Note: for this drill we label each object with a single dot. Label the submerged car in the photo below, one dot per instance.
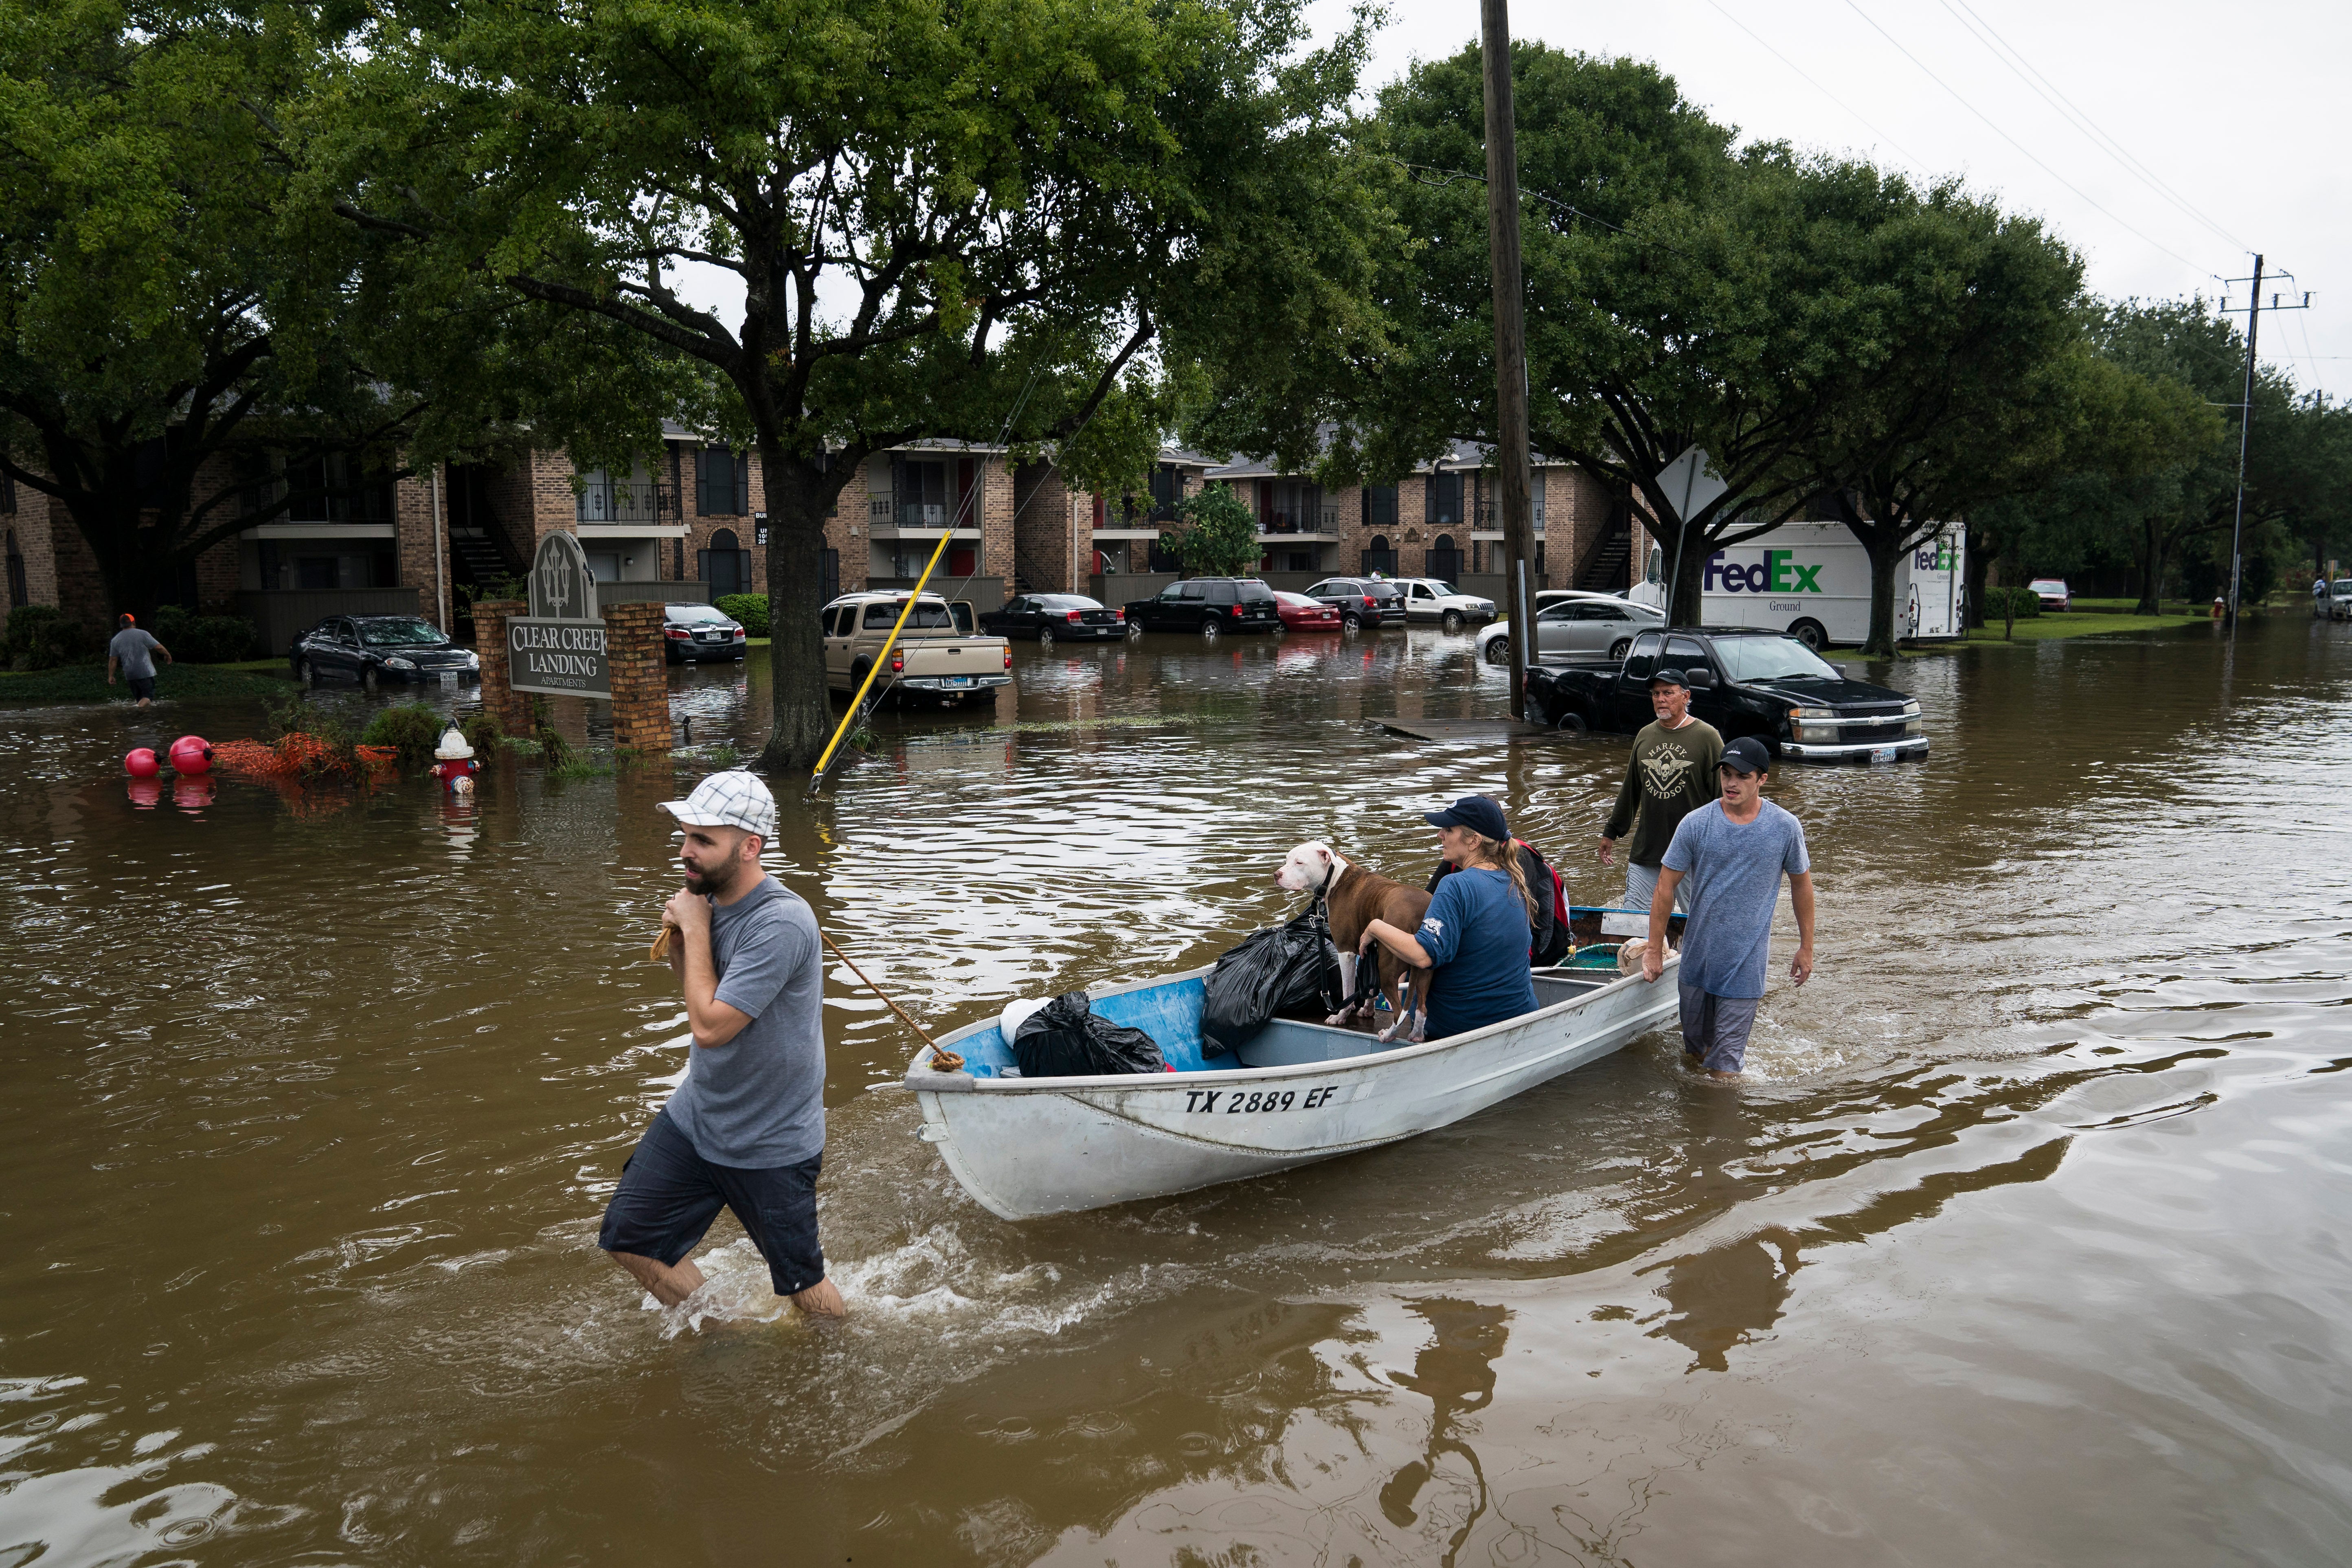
(691, 631)
(1056, 617)
(1301, 613)
(1433, 599)
(1361, 600)
(2051, 592)
(370, 649)
(1574, 621)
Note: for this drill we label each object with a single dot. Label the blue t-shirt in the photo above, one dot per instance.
(1733, 875)
(1476, 933)
(758, 1102)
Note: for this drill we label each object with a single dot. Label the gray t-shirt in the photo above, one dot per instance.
(758, 1102)
(130, 647)
(1733, 874)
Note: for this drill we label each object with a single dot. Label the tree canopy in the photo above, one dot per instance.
(990, 219)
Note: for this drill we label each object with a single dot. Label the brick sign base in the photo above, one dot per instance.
(634, 655)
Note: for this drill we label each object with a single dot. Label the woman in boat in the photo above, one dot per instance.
(1477, 927)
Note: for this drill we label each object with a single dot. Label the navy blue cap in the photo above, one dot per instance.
(1671, 675)
(1474, 812)
(1747, 754)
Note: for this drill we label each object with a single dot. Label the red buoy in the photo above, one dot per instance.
(142, 764)
(192, 754)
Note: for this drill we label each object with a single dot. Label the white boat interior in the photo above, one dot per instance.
(1170, 1015)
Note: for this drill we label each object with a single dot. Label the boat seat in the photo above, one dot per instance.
(1170, 1015)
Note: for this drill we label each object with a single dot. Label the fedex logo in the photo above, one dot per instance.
(1938, 556)
(1777, 572)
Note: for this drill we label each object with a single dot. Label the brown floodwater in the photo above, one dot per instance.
(2022, 1242)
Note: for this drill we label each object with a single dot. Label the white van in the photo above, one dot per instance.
(1812, 581)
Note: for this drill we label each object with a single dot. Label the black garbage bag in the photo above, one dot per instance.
(1287, 969)
(1065, 1039)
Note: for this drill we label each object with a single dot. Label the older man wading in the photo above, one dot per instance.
(1670, 774)
(1732, 853)
(745, 1129)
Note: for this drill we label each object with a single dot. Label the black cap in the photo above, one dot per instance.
(1474, 812)
(1671, 675)
(1747, 756)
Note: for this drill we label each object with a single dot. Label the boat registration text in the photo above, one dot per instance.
(1240, 1102)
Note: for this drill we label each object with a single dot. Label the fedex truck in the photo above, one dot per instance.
(1812, 581)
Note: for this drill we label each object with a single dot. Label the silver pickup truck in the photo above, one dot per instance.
(936, 659)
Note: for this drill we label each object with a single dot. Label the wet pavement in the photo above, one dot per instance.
(2021, 1243)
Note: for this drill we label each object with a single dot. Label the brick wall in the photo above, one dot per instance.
(995, 508)
(33, 528)
(411, 514)
(1049, 554)
(633, 657)
(500, 699)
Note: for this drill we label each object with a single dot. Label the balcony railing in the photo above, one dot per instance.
(610, 501)
(1143, 513)
(1323, 523)
(1489, 516)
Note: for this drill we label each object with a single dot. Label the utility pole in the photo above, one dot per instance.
(1510, 335)
(2246, 426)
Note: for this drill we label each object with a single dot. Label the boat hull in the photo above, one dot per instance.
(1024, 1149)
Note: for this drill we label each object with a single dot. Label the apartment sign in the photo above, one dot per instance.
(558, 649)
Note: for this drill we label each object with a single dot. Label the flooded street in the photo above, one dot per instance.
(2021, 1243)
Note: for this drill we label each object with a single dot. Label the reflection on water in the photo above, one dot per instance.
(2017, 1244)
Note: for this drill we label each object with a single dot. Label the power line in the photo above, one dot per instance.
(1916, 161)
(2025, 72)
(1972, 109)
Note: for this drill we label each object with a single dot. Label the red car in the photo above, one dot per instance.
(1301, 613)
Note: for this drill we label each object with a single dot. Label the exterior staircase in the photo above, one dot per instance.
(1604, 572)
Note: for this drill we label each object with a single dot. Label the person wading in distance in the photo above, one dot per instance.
(1732, 853)
(1670, 774)
(745, 1129)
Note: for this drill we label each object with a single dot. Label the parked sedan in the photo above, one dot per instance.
(2051, 592)
(1301, 613)
(1056, 617)
(1574, 621)
(370, 649)
(2339, 599)
(1430, 599)
(700, 632)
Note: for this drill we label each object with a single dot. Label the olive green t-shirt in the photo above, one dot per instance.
(1672, 775)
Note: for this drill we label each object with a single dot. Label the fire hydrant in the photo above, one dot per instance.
(457, 766)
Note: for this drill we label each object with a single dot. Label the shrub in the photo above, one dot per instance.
(412, 729)
(205, 639)
(40, 637)
(752, 609)
(482, 733)
(2011, 605)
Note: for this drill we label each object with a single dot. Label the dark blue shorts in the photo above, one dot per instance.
(669, 1195)
(143, 687)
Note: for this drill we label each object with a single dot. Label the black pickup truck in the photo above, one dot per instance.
(1744, 682)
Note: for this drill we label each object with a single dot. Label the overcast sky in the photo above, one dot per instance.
(2166, 141)
(2240, 113)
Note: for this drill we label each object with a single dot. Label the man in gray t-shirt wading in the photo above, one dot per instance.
(134, 652)
(745, 1129)
(1731, 854)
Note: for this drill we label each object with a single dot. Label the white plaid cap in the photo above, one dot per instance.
(728, 800)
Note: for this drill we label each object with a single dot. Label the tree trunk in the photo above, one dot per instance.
(1974, 571)
(2151, 568)
(798, 494)
(1684, 607)
(1878, 544)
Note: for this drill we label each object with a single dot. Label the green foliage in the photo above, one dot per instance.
(752, 609)
(2011, 605)
(482, 733)
(493, 591)
(553, 748)
(412, 729)
(40, 637)
(298, 719)
(1219, 538)
(949, 221)
(205, 639)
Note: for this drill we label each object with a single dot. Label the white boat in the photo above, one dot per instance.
(1297, 1092)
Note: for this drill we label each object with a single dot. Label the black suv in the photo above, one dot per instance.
(1361, 600)
(1210, 606)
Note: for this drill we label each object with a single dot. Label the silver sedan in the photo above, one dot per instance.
(1573, 622)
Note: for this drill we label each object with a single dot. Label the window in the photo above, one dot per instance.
(881, 616)
(1684, 655)
(1379, 511)
(1193, 590)
(1443, 505)
(1221, 593)
(1167, 491)
(918, 490)
(1773, 658)
(1644, 655)
(722, 482)
(8, 501)
(18, 595)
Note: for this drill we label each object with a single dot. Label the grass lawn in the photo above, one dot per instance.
(87, 683)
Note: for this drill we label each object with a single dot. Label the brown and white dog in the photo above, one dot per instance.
(1355, 898)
